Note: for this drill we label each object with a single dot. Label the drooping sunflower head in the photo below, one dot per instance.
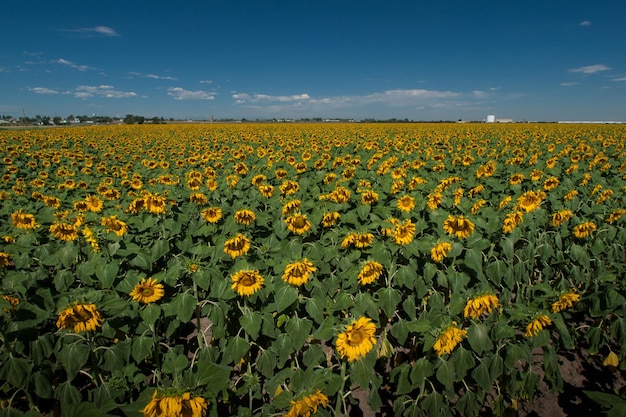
(298, 223)
(114, 225)
(584, 230)
(198, 198)
(369, 197)
(246, 282)
(330, 218)
(147, 291)
(565, 301)
(244, 216)
(166, 404)
(298, 273)
(448, 339)
(64, 231)
(212, 214)
(483, 304)
(80, 318)
(440, 251)
(291, 207)
(530, 200)
(23, 220)
(370, 272)
(404, 233)
(237, 246)
(537, 324)
(357, 340)
(459, 226)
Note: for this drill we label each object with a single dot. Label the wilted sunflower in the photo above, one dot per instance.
(23, 220)
(550, 183)
(566, 300)
(584, 230)
(64, 231)
(357, 340)
(13, 302)
(237, 246)
(246, 282)
(307, 406)
(537, 325)
(516, 179)
(615, 215)
(434, 200)
(289, 187)
(369, 197)
(298, 273)
(154, 203)
(405, 203)
(511, 221)
(5, 259)
(147, 291)
(448, 339)
(90, 237)
(266, 190)
(212, 214)
(244, 216)
(80, 318)
(480, 305)
(136, 205)
(114, 225)
(290, 207)
(404, 233)
(81, 206)
(370, 272)
(298, 223)
(198, 198)
(440, 251)
(530, 200)
(460, 226)
(330, 219)
(561, 216)
(175, 405)
(570, 195)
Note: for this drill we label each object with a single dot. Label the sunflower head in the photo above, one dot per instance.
(80, 318)
(147, 291)
(357, 340)
(246, 282)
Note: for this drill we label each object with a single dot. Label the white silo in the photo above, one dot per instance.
(491, 118)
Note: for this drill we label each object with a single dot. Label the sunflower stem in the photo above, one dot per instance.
(340, 394)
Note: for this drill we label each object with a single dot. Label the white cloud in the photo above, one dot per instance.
(181, 94)
(106, 91)
(585, 23)
(591, 69)
(160, 77)
(96, 30)
(206, 81)
(568, 84)
(619, 79)
(243, 98)
(43, 90)
(71, 64)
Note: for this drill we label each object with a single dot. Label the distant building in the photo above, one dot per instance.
(490, 118)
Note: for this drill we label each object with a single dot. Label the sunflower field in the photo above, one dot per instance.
(300, 269)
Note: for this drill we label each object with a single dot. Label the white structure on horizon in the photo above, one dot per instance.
(490, 118)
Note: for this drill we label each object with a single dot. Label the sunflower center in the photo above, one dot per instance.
(356, 337)
(247, 281)
(147, 291)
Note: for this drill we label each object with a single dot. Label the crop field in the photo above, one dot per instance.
(307, 269)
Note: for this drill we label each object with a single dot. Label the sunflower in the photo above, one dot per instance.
(537, 325)
(198, 198)
(369, 197)
(370, 272)
(516, 179)
(114, 225)
(504, 202)
(530, 200)
(175, 405)
(477, 206)
(212, 214)
(330, 219)
(440, 251)
(357, 340)
(298, 223)
(448, 339)
(155, 203)
(565, 301)
(298, 273)
(246, 282)
(550, 183)
(23, 220)
(291, 207)
(615, 215)
(244, 216)
(5, 259)
(147, 291)
(90, 237)
(289, 187)
(404, 233)
(80, 318)
(434, 200)
(136, 205)
(405, 203)
(584, 230)
(460, 226)
(480, 305)
(561, 216)
(237, 246)
(458, 194)
(64, 231)
(266, 190)
(511, 221)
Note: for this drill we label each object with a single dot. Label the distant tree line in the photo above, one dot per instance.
(132, 119)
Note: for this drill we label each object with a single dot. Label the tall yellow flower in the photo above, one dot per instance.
(561, 216)
(80, 318)
(330, 218)
(459, 226)
(537, 325)
(404, 232)
(64, 231)
(530, 200)
(298, 273)
(244, 216)
(370, 272)
(114, 225)
(369, 197)
(448, 339)
(480, 305)
(212, 214)
(147, 291)
(357, 340)
(246, 282)
(511, 221)
(307, 406)
(566, 300)
(584, 230)
(298, 223)
(5, 259)
(175, 405)
(434, 200)
(23, 220)
(406, 203)
(237, 246)
(440, 251)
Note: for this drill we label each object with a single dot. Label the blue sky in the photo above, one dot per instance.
(420, 60)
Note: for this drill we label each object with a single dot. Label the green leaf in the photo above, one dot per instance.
(421, 370)
(463, 360)
(446, 374)
(117, 356)
(149, 313)
(67, 394)
(63, 280)
(107, 273)
(401, 375)
(16, 371)
(142, 347)
(315, 308)
(251, 322)
(73, 357)
(478, 338)
(236, 349)
(474, 260)
(284, 297)
(213, 377)
(482, 377)
(174, 363)
(299, 330)
(159, 249)
(266, 363)
(389, 298)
